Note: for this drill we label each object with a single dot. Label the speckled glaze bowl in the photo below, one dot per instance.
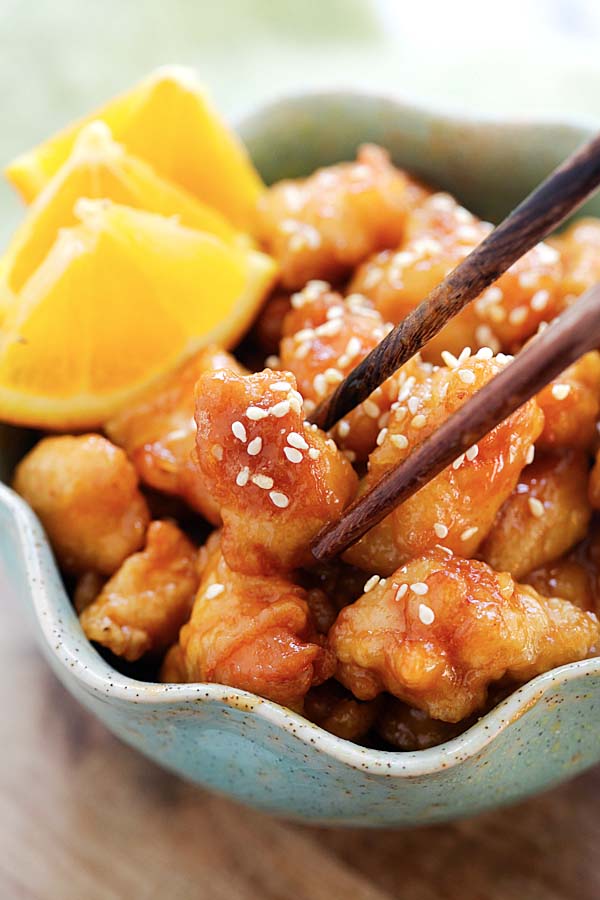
(255, 750)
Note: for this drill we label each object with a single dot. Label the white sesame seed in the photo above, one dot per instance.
(335, 312)
(217, 451)
(333, 376)
(242, 477)
(281, 386)
(383, 420)
(296, 440)
(420, 588)
(536, 507)
(530, 455)
(239, 432)
(280, 409)
(371, 409)
(400, 441)
(302, 350)
(469, 533)
(485, 335)
(254, 447)
(449, 359)
(330, 328)
(493, 294)
(419, 421)
(381, 436)
(497, 314)
(426, 614)
(314, 453)
(539, 301)
(399, 413)
(263, 481)
(441, 530)
(528, 279)
(518, 315)
(484, 352)
(305, 334)
(278, 499)
(466, 376)
(401, 591)
(350, 455)
(458, 461)
(293, 455)
(255, 413)
(296, 404)
(353, 347)
(472, 452)
(464, 355)
(371, 583)
(320, 384)
(213, 591)
(413, 405)
(561, 391)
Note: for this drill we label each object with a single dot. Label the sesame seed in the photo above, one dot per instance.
(213, 591)
(518, 315)
(242, 477)
(441, 530)
(426, 614)
(485, 335)
(335, 312)
(381, 436)
(539, 301)
(320, 384)
(371, 409)
(399, 413)
(293, 455)
(449, 359)
(458, 461)
(263, 481)
(399, 441)
(353, 347)
(254, 447)
(333, 376)
(536, 507)
(420, 588)
(464, 355)
(314, 453)
(413, 405)
(302, 351)
(484, 352)
(255, 413)
(296, 403)
(217, 451)
(305, 334)
(419, 421)
(278, 499)
(561, 391)
(528, 279)
(497, 314)
(280, 409)
(371, 583)
(469, 533)
(401, 591)
(296, 440)
(383, 420)
(493, 294)
(350, 455)
(472, 452)
(530, 455)
(281, 386)
(466, 376)
(239, 432)
(330, 328)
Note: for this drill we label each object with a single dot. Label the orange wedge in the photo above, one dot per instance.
(169, 121)
(118, 300)
(99, 167)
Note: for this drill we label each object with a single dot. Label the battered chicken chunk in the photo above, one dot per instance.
(579, 247)
(334, 708)
(458, 507)
(142, 607)
(85, 491)
(409, 729)
(571, 404)
(546, 514)
(443, 629)
(322, 226)
(158, 432)
(277, 479)
(252, 633)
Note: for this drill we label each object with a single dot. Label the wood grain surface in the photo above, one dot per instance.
(82, 817)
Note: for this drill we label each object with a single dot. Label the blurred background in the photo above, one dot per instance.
(515, 58)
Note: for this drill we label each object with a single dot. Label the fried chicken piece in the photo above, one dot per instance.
(85, 492)
(277, 479)
(443, 629)
(569, 578)
(158, 432)
(250, 632)
(409, 729)
(334, 708)
(142, 607)
(268, 328)
(458, 507)
(323, 225)
(548, 510)
(579, 247)
(571, 404)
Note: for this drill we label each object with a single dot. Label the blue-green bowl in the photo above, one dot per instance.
(255, 750)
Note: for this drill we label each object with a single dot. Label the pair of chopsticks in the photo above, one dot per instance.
(566, 338)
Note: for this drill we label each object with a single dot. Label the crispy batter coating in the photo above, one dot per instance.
(158, 432)
(322, 226)
(442, 629)
(409, 729)
(458, 507)
(335, 709)
(579, 247)
(252, 633)
(85, 491)
(547, 513)
(277, 479)
(571, 404)
(142, 607)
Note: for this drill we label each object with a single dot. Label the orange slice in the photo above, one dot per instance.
(169, 121)
(99, 167)
(118, 300)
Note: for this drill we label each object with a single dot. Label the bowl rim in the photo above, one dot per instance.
(38, 560)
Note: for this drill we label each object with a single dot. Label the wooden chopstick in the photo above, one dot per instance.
(565, 339)
(539, 214)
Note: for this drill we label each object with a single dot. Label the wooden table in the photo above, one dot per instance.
(83, 817)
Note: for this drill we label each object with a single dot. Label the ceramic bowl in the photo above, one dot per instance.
(255, 750)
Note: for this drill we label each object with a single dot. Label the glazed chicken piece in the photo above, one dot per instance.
(442, 629)
(409, 729)
(334, 708)
(458, 507)
(277, 479)
(252, 633)
(324, 225)
(579, 247)
(142, 607)
(268, 328)
(324, 337)
(85, 492)
(571, 404)
(575, 576)
(158, 432)
(547, 513)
